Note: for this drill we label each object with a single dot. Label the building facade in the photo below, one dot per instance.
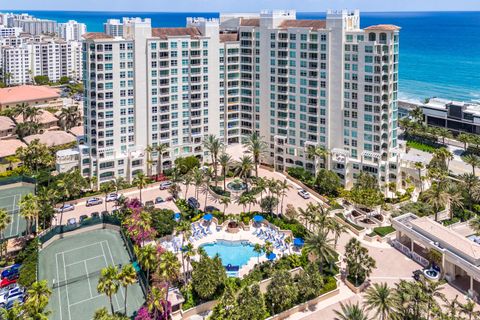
(71, 30)
(298, 83)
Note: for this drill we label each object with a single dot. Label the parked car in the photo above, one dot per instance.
(66, 207)
(149, 204)
(210, 209)
(159, 200)
(11, 270)
(304, 194)
(95, 214)
(11, 303)
(8, 288)
(192, 202)
(8, 281)
(112, 197)
(93, 202)
(71, 222)
(165, 185)
(12, 295)
(416, 274)
(83, 217)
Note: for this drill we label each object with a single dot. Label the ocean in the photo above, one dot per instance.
(439, 51)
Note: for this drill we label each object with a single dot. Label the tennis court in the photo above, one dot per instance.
(72, 268)
(10, 196)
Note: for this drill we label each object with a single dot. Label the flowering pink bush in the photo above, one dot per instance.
(143, 314)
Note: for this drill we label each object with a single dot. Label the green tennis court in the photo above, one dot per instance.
(10, 196)
(72, 267)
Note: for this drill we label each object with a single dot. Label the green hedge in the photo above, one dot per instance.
(29, 260)
(383, 231)
(421, 146)
(341, 216)
(219, 190)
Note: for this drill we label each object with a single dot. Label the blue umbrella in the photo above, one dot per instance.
(271, 256)
(177, 216)
(258, 218)
(208, 217)
(298, 242)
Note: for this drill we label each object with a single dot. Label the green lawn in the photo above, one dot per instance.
(420, 146)
(383, 231)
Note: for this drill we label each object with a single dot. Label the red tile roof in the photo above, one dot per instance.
(383, 27)
(96, 35)
(252, 22)
(313, 24)
(226, 37)
(27, 93)
(165, 33)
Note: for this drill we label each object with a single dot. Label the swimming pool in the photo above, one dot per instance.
(235, 253)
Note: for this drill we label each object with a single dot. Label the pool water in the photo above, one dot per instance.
(235, 253)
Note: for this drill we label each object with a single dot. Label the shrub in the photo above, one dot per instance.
(300, 174)
(29, 260)
(341, 216)
(163, 222)
(219, 190)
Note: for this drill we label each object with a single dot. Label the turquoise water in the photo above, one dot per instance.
(234, 253)
(439, 51)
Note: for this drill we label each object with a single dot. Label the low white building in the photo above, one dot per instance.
(72, 30)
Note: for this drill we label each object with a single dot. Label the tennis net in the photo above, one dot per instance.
(75, 279)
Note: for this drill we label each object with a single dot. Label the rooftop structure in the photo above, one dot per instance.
(52, 138)
(8, 147)
(7, 127)
(33, 95)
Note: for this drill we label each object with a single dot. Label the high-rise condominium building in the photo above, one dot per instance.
(298, 83)
(33, 25)
(71, 30)
(22, 60)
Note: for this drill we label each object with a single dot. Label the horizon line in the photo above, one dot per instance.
(229, 11)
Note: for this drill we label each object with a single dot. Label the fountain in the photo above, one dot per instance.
(236, 185)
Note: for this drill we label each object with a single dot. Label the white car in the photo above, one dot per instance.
(112, 197)
(93, 202)
(304, 194)
(66, 207)
(165, 185)
(11, 295)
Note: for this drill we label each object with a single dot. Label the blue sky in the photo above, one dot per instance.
(242, 5)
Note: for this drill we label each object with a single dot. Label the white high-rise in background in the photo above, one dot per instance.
(298, 83)
(71, 30)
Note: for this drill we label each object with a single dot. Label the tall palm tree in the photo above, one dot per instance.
(258, 249)
(197, 176)
(225, 161)
(470, 184)
(337, 229)
(379, 298)
(108, 283)
(147, 258)
(106, 188)
(432, 291)
(168, 270)
(187, 180)
(319, 245)
(22, 109)
(30, 210)
(37, 300)
(283, 187)
(444, 133)
(468, 309)
(472, 160)
(69, 117)
(154, 301)
(439, 196)
(256, 147)
(148, 150)
(464, 138)
(243, 201)
(420, 166)
(351, 312)
(474, 224)
(318, 152)
(5, 220)
(245, 168)
(184, 229)
(189, 252)
(213, 146)
(225, 201)
(140, 181)
(261, 186)
(417, 114)
(161, 150)
(127, 276)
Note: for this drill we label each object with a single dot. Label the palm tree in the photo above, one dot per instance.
(472, 160)
(256, 147)
(168, 270)
(444, 133)
(225, 201)
(417, 114)
(420, 166)
(148, 150)
(106, 188)
(225, 161)
(15, 313)
(140, 181)
(432, 293)
(258, 249)
(187, 180)
(351, 312)
(319, 245)
(283, 187)
(21, 109)
(69, 117)
(108, 283)
(464, 138)
(37, 300)
(337, 229)
(30, 210)
(261, 186)
(245, 168)
(5, 220)
(213, 146)
(127, 277)
(243, 200)
(189, 252)
(318, 152)
(474, 224)
(250, 198)
(184, 229)
(468, 309)
(440, 196)
(147, 258)
(379, 299)
(161, 149)
(154, 301)
(197, 176)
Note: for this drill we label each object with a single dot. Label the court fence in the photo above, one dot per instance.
(55, 232)
(16, 179)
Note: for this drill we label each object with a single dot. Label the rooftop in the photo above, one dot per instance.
(52, 138)
(250, 22)
(8, 147)
(312, 24)
(96, 35)
(44, 117)
(165, 33)
(383, 27)
(6, 123)
(27, 93)
(227, 37)
(443, 104)
(77, 131)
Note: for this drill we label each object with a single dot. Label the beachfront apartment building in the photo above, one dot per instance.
(32, 25)
(33, 56)
(9, 32)
(72, 30)
(298, 83)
